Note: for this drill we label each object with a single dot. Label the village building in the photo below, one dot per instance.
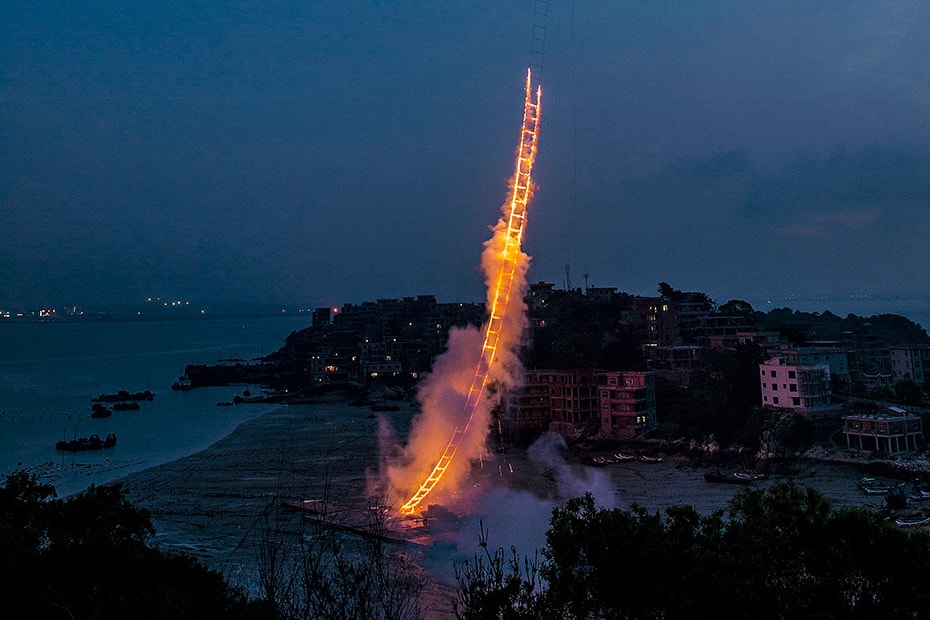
(576, 401)
(804, 389)
(911, 362)
(892, 432)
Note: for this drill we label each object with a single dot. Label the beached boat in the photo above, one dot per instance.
(876, 488)
(86, 443)
(620, 457)
(750, 476)
(650, 459)
(912, 522)
(718, 476)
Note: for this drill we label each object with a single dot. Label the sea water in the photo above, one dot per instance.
(50, 372)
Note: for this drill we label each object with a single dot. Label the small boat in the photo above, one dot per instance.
(82, 444)
(750, 476)
(873, 488)
(603, 460)
(123, 396)
(620, 457)
(920, 495)
(912, 522)
(99, 411)
(718, 476)
(650, 459)
(593, 462)
(122, 406)
(183, 384)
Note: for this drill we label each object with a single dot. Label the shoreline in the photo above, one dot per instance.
(210, 504)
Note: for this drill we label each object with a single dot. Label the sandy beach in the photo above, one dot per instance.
(210, 504)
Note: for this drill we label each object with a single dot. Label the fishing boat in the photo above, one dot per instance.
(183, 384)
(718, 476)
(750, 476)
(876, 488)
(122, 406)
(123, 396)
(620, 457)
(82, 444)
(99, 411)
(913, 522)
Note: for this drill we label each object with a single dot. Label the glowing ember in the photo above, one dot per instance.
(505, 247)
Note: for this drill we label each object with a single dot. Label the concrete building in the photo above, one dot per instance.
(911, 362)
(868, 355)
(893, 432)
(628, 403)
(836, 359)
(615, 404)
(675, 363)
(802, 388)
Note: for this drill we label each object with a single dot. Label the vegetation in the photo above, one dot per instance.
(317, 573)
(87, 556)
(779, 553)
(802, 327)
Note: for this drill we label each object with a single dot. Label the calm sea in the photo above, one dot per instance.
(49, 372)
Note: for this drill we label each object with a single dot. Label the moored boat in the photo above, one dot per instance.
(183, 384)
(123, 396)
(82, 444)
(99, 411)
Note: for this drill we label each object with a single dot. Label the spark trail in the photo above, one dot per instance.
(499, 294)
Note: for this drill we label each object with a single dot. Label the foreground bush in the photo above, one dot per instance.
(88, 556)
(779, 553)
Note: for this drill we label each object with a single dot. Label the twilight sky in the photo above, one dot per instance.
(322, 152)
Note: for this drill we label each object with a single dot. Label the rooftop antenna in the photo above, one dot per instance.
(586, 280)
(568, 276)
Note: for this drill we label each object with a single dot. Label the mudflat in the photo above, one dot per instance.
(214, 504)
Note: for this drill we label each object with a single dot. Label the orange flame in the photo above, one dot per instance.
(505, 247)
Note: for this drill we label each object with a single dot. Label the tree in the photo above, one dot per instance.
(88, 556)
(496, 585)
(317, 573)
(779, 553)
(908, 392)
(737, 307)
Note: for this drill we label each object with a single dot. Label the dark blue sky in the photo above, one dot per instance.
(330, 152)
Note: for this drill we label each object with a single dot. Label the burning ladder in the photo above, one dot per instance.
(526, 155)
